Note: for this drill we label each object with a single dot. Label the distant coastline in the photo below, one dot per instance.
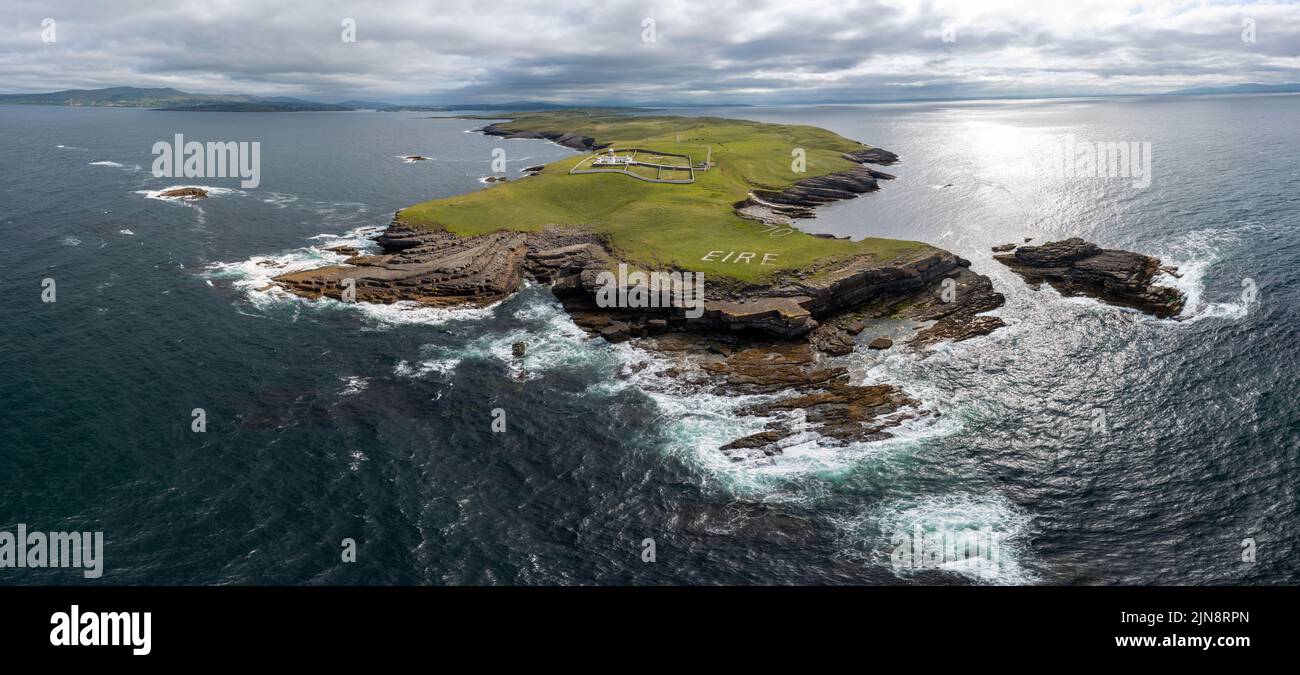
(175, 100)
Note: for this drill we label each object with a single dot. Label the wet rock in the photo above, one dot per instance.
(842, 412)
(881, 343)
(184, 193)
(757, 440)
(518, 349)
(772, 368)
(955, 308)
(872, 156)
(616, 331)
(831, 339)
(1076, 267)
(955, 329)
(1003, 248)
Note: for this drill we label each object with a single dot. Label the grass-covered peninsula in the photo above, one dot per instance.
(659, 224)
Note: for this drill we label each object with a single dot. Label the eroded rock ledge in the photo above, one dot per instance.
(441, 269)
(750, 339)
(1076, 267)
(568, 140)
(800, 200)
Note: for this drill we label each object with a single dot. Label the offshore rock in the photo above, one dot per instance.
(1076, 267)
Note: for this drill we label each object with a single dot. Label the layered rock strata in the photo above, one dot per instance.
(1077, 267)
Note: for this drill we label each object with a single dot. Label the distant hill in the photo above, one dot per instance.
(168, 99)
(1251, 88)
(412, 108)
(254, 106)
(521, 106)
(366, 105)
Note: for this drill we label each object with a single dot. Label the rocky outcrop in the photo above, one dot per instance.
(955, 306)
(184, 193)
(872, 156)
(821, 402)
(1076, 267)
(783, 207)
(817, 190)
(568, 140)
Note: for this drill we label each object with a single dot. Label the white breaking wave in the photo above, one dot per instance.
(876, 528)
(354, 385)
(441, 366)
(551, 342)
(126, 232)
(1192, 284)
(279, 200)
(106, 163)
(1195, 255)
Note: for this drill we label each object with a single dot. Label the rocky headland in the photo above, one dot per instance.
(770, 338)
(567, 139)
(1075, 267)
(777, 338)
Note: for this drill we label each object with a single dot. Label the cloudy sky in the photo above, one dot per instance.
(599, 51)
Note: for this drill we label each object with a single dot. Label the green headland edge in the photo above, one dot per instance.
(669, 225)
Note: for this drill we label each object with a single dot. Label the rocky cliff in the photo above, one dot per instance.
(800, 200)
(568, 140)
(442, 269)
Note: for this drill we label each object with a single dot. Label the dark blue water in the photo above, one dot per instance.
(330, 421)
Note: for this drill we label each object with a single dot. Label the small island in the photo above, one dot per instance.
(184, 193)
(1075, 267)
(777, 302)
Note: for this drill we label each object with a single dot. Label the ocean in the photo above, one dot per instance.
(1101, 445)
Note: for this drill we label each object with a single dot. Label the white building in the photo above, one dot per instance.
(612, 159)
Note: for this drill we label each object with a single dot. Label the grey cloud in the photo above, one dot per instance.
(591, 50)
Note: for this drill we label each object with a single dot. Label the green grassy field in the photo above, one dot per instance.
(656, 224)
